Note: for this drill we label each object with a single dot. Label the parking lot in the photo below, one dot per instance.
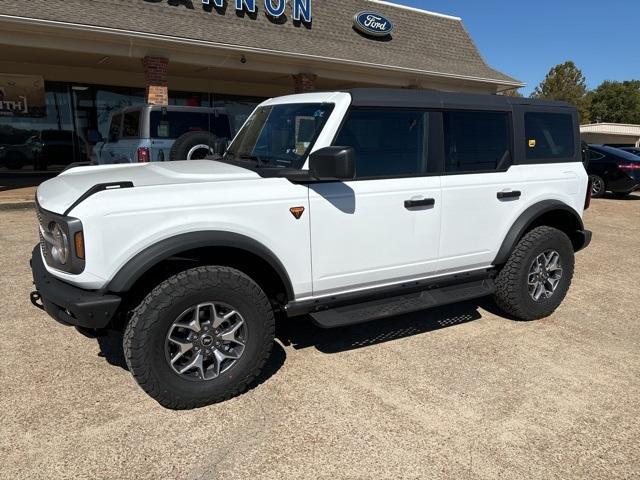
(455, 392)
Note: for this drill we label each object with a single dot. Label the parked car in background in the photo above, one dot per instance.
(613, 170)
(153, 133)
(56, 149)
(634, 150)
(17, 156)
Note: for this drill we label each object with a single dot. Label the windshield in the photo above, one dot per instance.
(280, 135)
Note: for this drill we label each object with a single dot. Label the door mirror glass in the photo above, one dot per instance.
(333, 163)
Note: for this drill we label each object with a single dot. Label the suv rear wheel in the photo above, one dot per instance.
(537, 275)
(199, 337)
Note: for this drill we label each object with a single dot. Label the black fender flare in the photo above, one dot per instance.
(126, 277)
(526, 219)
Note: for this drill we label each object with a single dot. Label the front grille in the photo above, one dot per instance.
(43, 245)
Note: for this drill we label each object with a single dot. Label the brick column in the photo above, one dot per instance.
(155, 73)
(304, 82)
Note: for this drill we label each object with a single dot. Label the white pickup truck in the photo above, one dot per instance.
(346, 206)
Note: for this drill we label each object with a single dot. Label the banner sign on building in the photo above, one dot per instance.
(300, 9)
(22, 96)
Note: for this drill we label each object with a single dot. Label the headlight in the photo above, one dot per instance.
(61, 241)
(59, 244)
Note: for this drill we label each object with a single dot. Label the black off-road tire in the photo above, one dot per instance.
(512, 293)
(146, 331)
(183, 144)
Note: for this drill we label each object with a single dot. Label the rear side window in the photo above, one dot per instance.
(131, 125)
(476, 141)
(174, 124)
(595, 155)
(388, 143)
(549, 136)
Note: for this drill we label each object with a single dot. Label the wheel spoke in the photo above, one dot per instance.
(183, 347)
(194, 323)
(231, 334)
(539, 290)
(222, 355)
(195, 363)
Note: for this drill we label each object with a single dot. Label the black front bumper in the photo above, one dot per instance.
(68, 304)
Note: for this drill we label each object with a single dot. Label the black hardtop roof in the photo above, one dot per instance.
(389, 97)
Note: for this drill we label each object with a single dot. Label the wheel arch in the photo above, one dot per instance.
(552, 213)
(213, 247)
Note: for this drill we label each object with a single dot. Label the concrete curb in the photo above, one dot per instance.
(17, 205)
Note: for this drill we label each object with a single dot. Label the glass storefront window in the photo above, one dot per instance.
(238, 107)
(78, 116)
(41, 143)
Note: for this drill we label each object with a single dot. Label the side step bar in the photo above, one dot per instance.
(410, 302)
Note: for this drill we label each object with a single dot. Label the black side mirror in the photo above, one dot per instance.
(220, 146)
(333, 163)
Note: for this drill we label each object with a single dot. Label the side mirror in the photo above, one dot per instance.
(333, 163)
(220, 146)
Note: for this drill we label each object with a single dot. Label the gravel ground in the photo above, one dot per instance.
(456, 392)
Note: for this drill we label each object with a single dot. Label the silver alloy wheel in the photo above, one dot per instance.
(597, 186)
(206, 340)
(198, 152)
(544, 276)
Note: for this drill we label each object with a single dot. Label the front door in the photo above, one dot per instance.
(383, 227)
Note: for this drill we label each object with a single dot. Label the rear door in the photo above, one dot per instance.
(481, 189)
(384, 226)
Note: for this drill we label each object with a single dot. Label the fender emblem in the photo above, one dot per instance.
(297, 212)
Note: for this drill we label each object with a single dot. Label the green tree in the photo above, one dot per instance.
(565, 82)
(511, 93)
(616, 102)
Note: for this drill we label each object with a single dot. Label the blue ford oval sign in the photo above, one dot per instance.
(371, 23)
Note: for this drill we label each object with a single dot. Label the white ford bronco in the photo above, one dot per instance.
(345, 206)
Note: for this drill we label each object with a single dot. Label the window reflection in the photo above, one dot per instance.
(78, 116)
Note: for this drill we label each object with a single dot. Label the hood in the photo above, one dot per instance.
(59, 193)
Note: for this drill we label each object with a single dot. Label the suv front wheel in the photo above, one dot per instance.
(200, 337)
(537, 275)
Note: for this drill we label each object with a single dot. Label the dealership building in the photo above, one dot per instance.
(67, 65)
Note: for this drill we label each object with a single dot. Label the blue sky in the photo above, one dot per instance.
(525, 39)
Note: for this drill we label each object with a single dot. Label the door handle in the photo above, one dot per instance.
(511, 194)
(425, 202)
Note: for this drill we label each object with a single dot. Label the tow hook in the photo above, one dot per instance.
(36, 299)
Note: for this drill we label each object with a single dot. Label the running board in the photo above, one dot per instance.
(397, 305)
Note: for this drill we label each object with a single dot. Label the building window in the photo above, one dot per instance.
(476, 141)
(388, 143)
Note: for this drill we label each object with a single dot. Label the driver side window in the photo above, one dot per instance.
(388, 142)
